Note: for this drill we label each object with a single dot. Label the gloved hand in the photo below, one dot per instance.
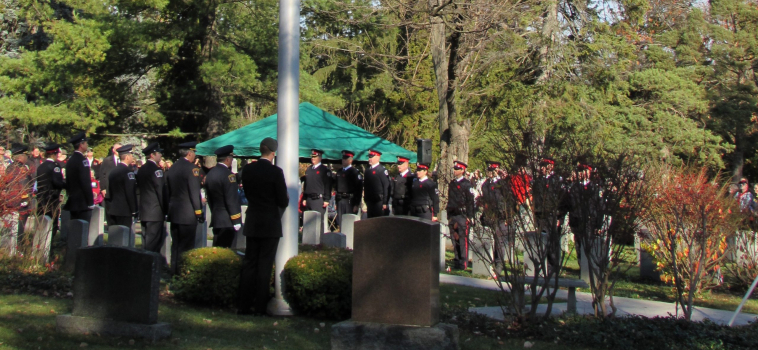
(237, 227)
(201, 219)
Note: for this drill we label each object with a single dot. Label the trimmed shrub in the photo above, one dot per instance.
(209, 276)
(319, 282)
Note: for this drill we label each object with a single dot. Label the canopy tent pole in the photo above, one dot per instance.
(288, 136)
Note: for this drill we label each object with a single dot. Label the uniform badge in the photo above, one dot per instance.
(130, 176)
(57, 169)
(159, 173)
(86, 163)
(386, 172)
(232, 178)
(196, 172)
(471, 190)
(360, 177)
(437, 191)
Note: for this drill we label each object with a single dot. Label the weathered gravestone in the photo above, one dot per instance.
(43, 235)
(334, 240)
(483, 255)
(96, 227)
(395, 288)
(112, 300)
(9, 240)
(597, 257)
(78, 233)
(120, 236)
(348, 229)
(311, 227)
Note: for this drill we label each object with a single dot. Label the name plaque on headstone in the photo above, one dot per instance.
(396, 271)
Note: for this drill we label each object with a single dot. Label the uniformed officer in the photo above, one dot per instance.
(401, 186)
(185, 209)
(79, 181)
(221, 191)
(491, 201)
(317, 186)
(153, 199)
(547, 197)
(348, 186)
(460, 212)
(424, 197)
(20, 172)
(50, 182)
(122, 186)
(376, 185)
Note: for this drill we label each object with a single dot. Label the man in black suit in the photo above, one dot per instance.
(266, 193)
(185, 208)
(376, 184)
(50, 182)
(122, 187)
(109, 163)
(221, 192)
(317, 185)
(153, 199)
(348, 184)
(401, 187)
(79, 181)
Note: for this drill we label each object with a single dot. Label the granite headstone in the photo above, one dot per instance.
(78, 234)
(311, 227)
(120, 236)
(96, 227)
(396, 271)
(334, 240)
(348, 228)
(43, 235)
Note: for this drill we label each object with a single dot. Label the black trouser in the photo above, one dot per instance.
(182, 240)
(343, 207)
(374, 209)
(153, 235)
(459, 226)
(399, 207)
(255, 275)
(316, 205)
(53, 212)
(106, 206)
(223, 236)
(85, 215)
(421, 211)
(120, 220)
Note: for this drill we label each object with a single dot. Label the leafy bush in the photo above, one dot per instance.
(23, 275)
(209, 276)
(319, 282)
(742, 272)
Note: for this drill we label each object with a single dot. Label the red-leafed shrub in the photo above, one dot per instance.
(689, 221)
(15, 190)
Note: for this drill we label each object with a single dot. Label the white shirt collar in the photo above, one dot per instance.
(317, 165)
(374, 166)
(347, 167)
(404, 172)
(460, 178)
(51, 159)
(422, 179)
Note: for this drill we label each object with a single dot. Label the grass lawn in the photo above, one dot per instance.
(28, 322)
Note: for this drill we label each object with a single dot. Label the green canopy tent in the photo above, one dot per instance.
(318, 129)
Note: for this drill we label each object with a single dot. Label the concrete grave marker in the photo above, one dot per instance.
(402, 311)
(112, 300)
(96, 227)
(482, 246)
(311, 227)
(120, 236)
(43, 236)
(78, 234)
(348, 229)
(334, 239)
(584, 269)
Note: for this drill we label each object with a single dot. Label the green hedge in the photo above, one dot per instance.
(209, 276)
(319, 282)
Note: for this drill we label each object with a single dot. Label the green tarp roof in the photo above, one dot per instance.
(318, 129)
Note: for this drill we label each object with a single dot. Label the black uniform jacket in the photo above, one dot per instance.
(109, 163)
(49, 185)
(153, 192)
(401, 186)
(376, 184)
(350, 182)
(78, 183)
(185, 205)
(221, 192)
(266, 194)
(122, 186)
(425, 193)
(318, 181)
(460, 198)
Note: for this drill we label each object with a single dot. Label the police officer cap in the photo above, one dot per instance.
(270, 143)
(18, 148)
(188, 145)
(224, 151)
(347, 154)
(401, 159)
(492, 165)
(151, 148)
(52, 147)
(461, 165)
(124, 149)
(316, 153)
(422, 166)
(78, 138)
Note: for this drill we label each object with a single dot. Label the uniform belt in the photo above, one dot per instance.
(421, 208)
(345, 195)
(452, 212)
(314, 196)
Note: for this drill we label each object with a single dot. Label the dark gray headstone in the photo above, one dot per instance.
(334, 239)
(78, 233)
(311, 227)
(396, 271)
(120, 236)
(64, 224)
(117, 283)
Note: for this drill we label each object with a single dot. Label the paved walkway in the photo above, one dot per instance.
(625, 306)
